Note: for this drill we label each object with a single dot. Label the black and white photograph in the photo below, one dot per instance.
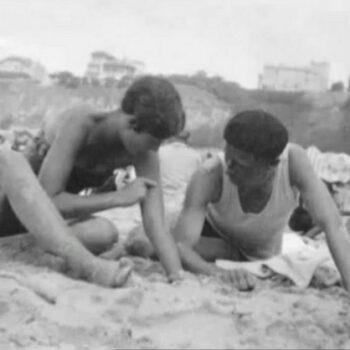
(174, 174)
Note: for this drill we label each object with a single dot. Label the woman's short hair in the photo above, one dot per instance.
(258, 133)
(156, 106)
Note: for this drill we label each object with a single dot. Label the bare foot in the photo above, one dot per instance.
(110, 273)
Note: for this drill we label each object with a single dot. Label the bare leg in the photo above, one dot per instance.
(40, 216)
(97, 234)
(138, 244)
(209, 248)
(100, 236)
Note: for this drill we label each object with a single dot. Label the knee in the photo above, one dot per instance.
(138, 244)
(107, 231)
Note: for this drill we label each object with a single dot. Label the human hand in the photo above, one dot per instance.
(136, 191)
(107, 186)
(240, 278)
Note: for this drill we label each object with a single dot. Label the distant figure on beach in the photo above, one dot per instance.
(80, 149)
(238, 203)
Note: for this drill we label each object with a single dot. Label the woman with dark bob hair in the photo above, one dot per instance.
(80, 149)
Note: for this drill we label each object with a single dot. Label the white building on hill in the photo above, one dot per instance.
(103, 66)
(16, 67)
(314, 77)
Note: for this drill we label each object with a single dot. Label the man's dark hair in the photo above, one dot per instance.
(258, 133)
(156, 106)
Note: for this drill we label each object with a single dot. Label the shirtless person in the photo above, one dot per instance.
(25, 205)
(239, 203)
(82, 147)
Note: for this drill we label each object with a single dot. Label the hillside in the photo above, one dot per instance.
(322, 119)
(312, 118)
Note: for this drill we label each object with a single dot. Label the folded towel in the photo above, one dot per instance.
(298, 261)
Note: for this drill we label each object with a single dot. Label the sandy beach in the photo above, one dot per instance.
(43, 307)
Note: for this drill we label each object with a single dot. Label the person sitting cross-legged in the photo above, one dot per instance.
(80, 149)
(33, 211)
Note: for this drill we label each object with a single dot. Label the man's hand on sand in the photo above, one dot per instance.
(136, 191)
(240, 278)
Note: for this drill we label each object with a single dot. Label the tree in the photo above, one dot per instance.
(338, 86)
(66, 79)
(201, 74)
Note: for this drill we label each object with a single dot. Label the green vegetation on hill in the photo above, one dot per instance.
(322, 119)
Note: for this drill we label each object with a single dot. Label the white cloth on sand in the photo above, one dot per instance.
(298, 261)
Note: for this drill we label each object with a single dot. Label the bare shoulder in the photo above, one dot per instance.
(211, 164)
(297, 154)
(294, 149)
(78, 116)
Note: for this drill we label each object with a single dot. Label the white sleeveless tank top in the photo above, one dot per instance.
(255, 235)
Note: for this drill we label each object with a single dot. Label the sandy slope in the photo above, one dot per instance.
(40, 308)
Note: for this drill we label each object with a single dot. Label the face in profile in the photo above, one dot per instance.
(137, 143)
(243, 169)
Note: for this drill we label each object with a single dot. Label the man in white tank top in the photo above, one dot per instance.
(238, 204)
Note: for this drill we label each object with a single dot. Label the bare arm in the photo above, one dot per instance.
(313, 232)
(322, 208)
(59, 162)
(40, 217)
(202, 189)
(152, 210)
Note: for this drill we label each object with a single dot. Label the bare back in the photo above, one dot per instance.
(72, 132)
